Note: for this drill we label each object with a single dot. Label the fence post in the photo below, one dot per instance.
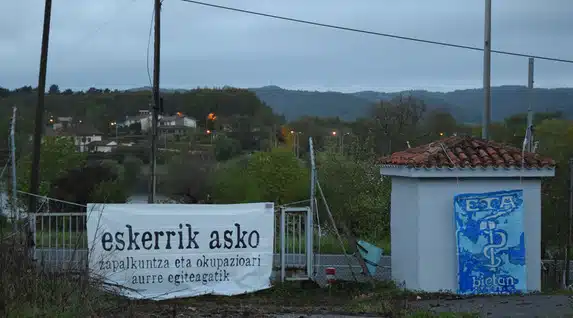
(569, 219)
(283, 256)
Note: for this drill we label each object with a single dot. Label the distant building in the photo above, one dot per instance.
(176, 125)
(102, 146)
(61, 122)
(107, 145)
(143, 118)
(82, 135)
(167, 124)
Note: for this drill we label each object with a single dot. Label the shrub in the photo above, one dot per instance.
(276, 176)
(188, 176)
(226, 148)
(132, 170)
(356, 194)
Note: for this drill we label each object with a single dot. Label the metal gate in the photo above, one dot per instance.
(296, 243)
(61, 241)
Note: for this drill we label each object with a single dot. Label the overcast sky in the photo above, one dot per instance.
(103, 43)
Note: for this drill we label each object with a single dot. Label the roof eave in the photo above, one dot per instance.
(459, 172)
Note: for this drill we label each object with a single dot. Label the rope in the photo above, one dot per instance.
(336, 230)
(319, 237)
(52, 199)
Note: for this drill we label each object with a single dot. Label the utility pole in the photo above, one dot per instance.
(569, 227)
(15, 215)
(156, 100)
(487, 72)
(530, 102)
(39, 119)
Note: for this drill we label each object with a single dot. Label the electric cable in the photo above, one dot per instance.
(388, 35)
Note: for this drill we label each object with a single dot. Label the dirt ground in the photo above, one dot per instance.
(509, 306)
(349, 300)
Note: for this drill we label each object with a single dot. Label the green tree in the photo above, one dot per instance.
(132, 170)
(58, 154)
(358, 197)
(440, 123)
(275, 176)
(54, 89)
(226, 148)
(555, 138)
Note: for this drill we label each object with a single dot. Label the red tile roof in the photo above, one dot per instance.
(466, 152)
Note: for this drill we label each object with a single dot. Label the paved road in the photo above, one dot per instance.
(510, 306)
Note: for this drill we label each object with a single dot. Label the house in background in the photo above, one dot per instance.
(177, 125)
(107, 145)
(143, 118)
(61, 122)
(82, 135)
(102, 146)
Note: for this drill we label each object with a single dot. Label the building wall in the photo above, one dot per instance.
(403, 229)
(104, 148)
(434, 254)
(189, 122)
(81, 145)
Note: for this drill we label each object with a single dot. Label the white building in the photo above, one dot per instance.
(144, 118)
(425, 181)
(81, 134)
(178, 120)
(102, 146)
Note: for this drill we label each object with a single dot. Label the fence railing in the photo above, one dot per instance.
(61, 240)
(61, 244)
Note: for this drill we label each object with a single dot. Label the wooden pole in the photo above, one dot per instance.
(156, 100)
(39, 119)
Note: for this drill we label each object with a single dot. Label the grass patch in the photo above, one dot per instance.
(29, 292)
(64, 239)
(381, 299)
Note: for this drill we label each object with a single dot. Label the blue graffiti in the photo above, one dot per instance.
(490, 242)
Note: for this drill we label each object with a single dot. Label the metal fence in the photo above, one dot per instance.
(61, 240)
(61, 244)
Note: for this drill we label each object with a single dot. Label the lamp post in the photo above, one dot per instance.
(114, 124)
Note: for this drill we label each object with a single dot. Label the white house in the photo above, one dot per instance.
(102, 146)
(143, 117)
(178, 120)
(81, 134)
(107, 145)
(423, 229)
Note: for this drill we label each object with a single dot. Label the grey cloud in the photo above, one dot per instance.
(104, 43)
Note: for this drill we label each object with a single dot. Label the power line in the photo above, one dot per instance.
(388, 35)
(90, 35)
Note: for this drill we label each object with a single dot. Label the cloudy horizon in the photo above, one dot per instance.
(104, 44)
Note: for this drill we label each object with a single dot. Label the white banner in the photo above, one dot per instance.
(163, 251)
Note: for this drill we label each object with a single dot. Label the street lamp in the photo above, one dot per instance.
(113, 123)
